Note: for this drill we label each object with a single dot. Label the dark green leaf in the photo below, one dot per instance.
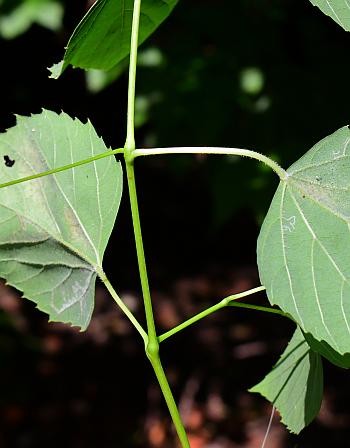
(54, 230)
(102, 38)
(328, 352)
(295, 384)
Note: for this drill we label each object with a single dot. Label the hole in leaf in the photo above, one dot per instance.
(8, 161)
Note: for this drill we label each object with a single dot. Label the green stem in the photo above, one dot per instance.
(213, 150)
(151, 345)
(168, 396)
(222, 304)
(151, 330)
(63, 168)
(190, 321)
(260, 308)
(130, 134)
(157, 151)
(123, 307)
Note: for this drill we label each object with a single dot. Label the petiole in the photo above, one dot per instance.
(222, 304)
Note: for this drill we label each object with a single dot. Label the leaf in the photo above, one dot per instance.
(55, 70)
(295, 384)
(338, 10)
(54, 230)
(304, 243)
(328, 352)
(102, 38)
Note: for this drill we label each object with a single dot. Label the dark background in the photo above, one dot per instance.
(201, 218)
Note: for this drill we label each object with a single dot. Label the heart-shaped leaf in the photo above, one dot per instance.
(338, 10)
(295, 384)
(304, 243)
(102, 38)
(54, 230)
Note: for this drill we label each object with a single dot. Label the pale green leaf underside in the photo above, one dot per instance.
(304, 243)
(338, 10)
(54, 230)
(295, 384)
(102, 38)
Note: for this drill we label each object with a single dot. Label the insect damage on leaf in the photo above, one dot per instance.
(8, 161)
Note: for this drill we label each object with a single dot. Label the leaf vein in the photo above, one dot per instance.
(285, 257)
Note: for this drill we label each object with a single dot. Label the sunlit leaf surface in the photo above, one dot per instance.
(54, 230)
(304, 243)
(338, 10)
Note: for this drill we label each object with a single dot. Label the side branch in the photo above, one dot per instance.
(123, 307)
(215, 151)
(227, 301)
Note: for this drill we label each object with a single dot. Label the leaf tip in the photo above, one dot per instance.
(56, 70)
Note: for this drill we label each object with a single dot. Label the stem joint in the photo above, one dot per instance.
(152, 349)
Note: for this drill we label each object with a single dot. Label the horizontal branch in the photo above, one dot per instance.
(214, 151)
(159, 151)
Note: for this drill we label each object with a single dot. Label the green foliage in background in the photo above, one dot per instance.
(16, 17)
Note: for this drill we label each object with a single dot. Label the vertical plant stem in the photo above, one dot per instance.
(168, 396)
(130, 134)
(151, 330)
(151, 343)
(152, 346)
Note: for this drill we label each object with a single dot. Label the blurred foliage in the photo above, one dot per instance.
(17, 16)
